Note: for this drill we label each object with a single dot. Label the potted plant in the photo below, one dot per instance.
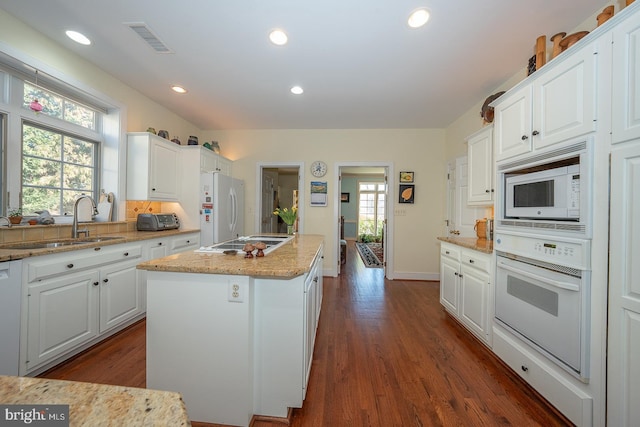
(15, 216)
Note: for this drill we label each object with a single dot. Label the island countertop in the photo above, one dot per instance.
(98, 404)
(292, 259)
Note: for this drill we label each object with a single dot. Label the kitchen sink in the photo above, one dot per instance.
(236, 245)
(57, 243)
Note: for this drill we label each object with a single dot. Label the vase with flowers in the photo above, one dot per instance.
(288, 216)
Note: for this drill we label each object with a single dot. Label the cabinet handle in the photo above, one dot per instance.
(126, 254)
(69, 265)
(525, 137)
(471, 261)
(455, 273)
(492, 190)
(159, 243)
(487, 191)
(315, 279)
(446, 252)
(524, 368)
(105, 280)
(535, 132)
(96, 283)
(460, 275)
(153, 189)
(188, 241)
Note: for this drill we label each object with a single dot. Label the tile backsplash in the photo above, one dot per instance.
(135, 207)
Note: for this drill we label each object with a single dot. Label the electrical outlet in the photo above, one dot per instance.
(235, 293)
(400, 212)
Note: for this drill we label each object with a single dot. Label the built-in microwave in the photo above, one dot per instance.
(546, 194)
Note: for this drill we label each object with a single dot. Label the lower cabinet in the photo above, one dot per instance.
(466, 288)
(72, 298)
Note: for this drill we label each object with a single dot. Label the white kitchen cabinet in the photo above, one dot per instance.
(481, 167)
(158, 248)
(154, 168)
(625, 89)
(286, 319)
(209, 161)
(558, 103)
(72, 298)
(465, 288)
(62, 314)
(121, 294)
(449, 276)
(623, 382)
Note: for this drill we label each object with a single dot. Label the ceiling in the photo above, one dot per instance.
(359, 63)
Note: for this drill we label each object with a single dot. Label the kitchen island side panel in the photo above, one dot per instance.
(201, 345)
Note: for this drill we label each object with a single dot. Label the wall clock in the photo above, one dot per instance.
(318, 168)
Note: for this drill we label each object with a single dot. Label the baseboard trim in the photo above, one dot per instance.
(274, 420)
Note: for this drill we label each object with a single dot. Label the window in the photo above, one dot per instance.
(56, 168)
(371, 207)
(59, 107)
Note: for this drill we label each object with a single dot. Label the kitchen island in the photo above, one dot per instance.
(234, 335)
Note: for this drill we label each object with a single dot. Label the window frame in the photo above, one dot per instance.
(376, 193)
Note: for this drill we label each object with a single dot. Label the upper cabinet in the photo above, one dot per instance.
(153, 168)
(212, 162)
(625, 106)
(556, 105)
(480, 173)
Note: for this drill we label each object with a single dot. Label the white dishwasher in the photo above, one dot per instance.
(10, 280)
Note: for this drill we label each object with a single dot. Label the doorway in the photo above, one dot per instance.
(278, 185)
(370, 184)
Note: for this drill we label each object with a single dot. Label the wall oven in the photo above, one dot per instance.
(542, 295)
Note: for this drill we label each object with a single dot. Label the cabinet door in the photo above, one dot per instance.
(224, 166)
(480, 174)
(623, 373)
(120, 294)
(164, 180)
(474, 286)
(208, 161)
(185, 243)
(61, 315)
(449, 284)
(512, 125)
(158, 248)
(565, 100)
(626, 80)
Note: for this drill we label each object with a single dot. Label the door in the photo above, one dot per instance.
(464, 216)
(268, 222)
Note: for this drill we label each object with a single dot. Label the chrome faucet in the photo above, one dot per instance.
(7, 219)
(74, 229)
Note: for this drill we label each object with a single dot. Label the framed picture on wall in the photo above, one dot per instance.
(344, 197)
(407, 193)
(318, 193)
(406, 176)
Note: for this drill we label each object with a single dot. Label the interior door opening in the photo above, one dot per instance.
(362, 208)
(279, 186)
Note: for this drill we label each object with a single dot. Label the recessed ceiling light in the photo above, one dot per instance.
(418, 18)
(178, 89)
(278, 37)
(297, 90)
(78, 37)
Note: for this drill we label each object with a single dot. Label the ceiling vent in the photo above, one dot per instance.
(148, 36)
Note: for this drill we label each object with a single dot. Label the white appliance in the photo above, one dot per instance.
(10, 288)
(221, 208)
(542, 295)
(546, 194)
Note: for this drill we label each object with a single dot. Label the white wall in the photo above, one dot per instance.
(419, 150)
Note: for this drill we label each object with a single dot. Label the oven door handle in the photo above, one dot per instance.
(557, 284)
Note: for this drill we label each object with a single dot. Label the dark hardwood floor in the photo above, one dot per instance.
(386, 354)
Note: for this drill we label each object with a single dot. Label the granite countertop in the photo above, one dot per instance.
(289, 260)
(481, 245)
(98, 404)
(7, 254)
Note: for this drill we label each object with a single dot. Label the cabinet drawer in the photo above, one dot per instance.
(572, 402)
(182, 243)
(476, 260)
(80, 260)
(450, 251)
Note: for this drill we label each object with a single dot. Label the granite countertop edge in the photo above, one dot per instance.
(480, 245)
(292, 259)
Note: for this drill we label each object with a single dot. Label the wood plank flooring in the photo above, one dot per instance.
(386, 354)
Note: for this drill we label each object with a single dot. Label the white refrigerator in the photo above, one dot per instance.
(221, 208)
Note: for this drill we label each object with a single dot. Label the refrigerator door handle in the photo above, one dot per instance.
(234, 209)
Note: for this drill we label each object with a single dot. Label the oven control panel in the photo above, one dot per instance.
(562, 251)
